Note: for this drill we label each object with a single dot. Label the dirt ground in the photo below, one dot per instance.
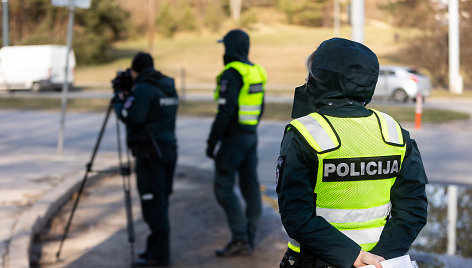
(98, 235)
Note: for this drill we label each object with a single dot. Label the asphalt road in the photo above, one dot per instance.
(29, 166)
(445, 147)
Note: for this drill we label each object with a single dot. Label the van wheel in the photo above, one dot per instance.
(399, 95)
(36, 86)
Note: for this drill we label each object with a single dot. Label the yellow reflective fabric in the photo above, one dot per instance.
(342, 198)
(317, 132)
(391, 130)
(360, 225)
(293, 247)
(368, 246)
(251, 95)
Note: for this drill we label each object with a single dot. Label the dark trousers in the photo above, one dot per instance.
(238, 153)
(154, 180)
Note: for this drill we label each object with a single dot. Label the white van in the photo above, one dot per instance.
(35, 67)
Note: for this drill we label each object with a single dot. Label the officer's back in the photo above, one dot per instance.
(160, 97)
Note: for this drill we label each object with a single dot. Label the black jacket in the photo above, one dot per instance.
(226, 121)
(151, 109)
(341, 88)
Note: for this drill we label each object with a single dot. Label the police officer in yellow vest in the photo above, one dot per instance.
(351, 183)
(240, 98)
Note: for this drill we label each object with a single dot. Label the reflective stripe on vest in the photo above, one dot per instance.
(248, 118)
(293, 245)
(391, 131)
(334, 215)
(358, 161)
(365, 236)
(316, 130)
(250, 108)
(251, 94)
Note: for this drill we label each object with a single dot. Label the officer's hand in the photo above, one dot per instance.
(290, 259)
(210, 150)
(366, 258)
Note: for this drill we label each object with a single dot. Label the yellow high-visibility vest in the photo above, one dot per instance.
(251, 95)
(358, 162)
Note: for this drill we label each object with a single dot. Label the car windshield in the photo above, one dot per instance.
(413, 71)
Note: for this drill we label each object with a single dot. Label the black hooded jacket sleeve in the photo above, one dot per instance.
(409, 205)
(297, 204)
(231, 82)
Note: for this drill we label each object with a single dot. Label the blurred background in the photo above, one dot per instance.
(182, 35)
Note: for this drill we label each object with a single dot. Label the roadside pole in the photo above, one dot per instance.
(451, 219)
(418, 110)
(151, 23)
(357, 21)
(235, 8)
(183, 89)
(65, 86)
(455, 78)
(337, 20)
(5, 23)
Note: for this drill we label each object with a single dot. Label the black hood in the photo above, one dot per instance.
(342, 70)
(236, 46)
(150, 75)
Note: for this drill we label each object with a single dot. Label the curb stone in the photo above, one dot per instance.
(32, 221)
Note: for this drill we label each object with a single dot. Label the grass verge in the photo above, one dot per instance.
(442, 93)
(273, 111)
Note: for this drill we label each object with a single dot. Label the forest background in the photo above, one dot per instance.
(283, 34)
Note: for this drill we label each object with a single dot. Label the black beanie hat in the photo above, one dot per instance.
(142, 61)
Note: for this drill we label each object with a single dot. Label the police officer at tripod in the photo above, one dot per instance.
(149, 112)
(351, 183)
(240, 97)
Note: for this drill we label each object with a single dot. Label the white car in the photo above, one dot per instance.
(401, 83)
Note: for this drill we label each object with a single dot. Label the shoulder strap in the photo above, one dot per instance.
(390, 129)
(317, 132)
(241, 67)
(261, 71)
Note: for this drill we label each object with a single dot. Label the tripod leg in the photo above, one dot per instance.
(125, 173)
(129, 219)
(84, 180)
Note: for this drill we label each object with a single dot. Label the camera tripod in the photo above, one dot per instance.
(125, 172)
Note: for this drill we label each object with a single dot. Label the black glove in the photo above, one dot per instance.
(210, 150)
(291, 259)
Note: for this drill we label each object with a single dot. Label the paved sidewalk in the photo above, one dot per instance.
(99, 237)
(35, 181)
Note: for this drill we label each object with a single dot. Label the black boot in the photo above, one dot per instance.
(144, 262)
(235, 248)
(143, 254)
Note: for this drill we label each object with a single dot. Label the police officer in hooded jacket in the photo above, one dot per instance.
(240, 98)
(149, 113)
(351, 183)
